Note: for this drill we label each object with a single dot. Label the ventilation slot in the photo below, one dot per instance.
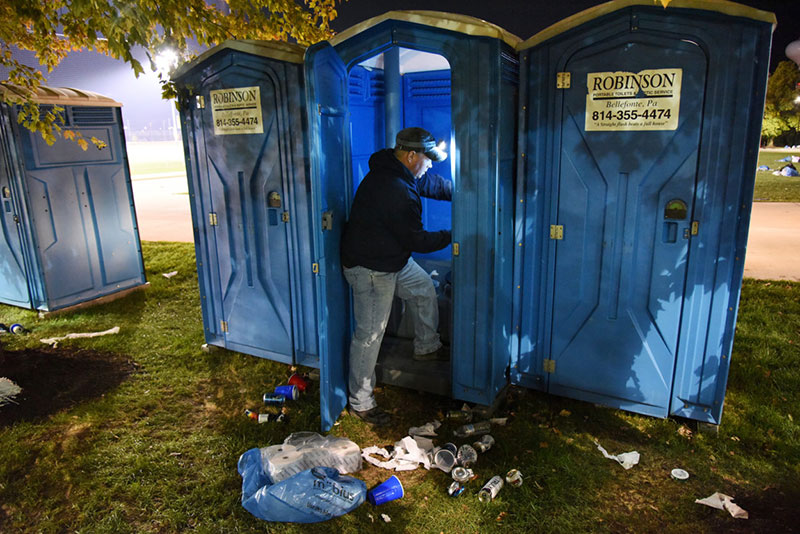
(430, 88)
(83, 116)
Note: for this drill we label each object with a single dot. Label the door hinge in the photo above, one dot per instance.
(327, 220)
(695, 227)
(456, 250)
(315, 268)
(285, 216)
(223, 325)
(556, 231)
(549, 365)
(201, 102)
(212, 219)
(563, 80)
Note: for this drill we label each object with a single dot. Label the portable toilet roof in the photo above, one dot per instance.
(62, 96)
(437, 19)
(293, 53)
(721, 6)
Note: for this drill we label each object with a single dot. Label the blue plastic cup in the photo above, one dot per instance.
(389, 490)
(290, 392)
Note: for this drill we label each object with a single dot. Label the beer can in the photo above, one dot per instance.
(290, 392)
(251, 414)
(461, 474)
(484, 444)
(17, 328)
(273, 398)
(455, 489)
(270, 417)
(514, 478)
(490, 490)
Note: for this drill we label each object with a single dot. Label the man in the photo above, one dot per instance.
(385, 227)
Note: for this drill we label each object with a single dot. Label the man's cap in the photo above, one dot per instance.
(421, 140)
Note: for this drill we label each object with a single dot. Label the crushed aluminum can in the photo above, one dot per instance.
(484, 444)
(467, 455)
(462, 474)
(455, 489)
(514, 478)
(251, 414)
(271, 417)
(273, 398)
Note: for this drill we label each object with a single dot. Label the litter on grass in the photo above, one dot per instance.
(54, 340)
(8, 390)
(406, 456)
(169, 275)
(720, 501)
(626, 459)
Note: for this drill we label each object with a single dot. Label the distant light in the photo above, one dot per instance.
(793, 51)
(166, 60)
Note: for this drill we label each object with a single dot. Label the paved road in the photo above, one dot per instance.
(773, 249)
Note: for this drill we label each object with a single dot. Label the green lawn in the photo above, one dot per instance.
(771, 188)
(158, 453)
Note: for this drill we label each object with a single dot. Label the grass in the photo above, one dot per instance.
(771, 188)
(158, 454)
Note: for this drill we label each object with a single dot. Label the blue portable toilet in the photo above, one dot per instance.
(244, 134)
(69, 232)
(639, 136)
(596, 255)
(456, 76)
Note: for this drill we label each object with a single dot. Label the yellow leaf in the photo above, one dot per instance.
(83, 143)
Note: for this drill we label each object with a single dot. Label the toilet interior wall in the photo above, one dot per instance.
(397, 89)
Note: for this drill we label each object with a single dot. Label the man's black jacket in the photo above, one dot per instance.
(385, 224)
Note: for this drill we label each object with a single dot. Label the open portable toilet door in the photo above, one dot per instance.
(638, 145)
(483, 68)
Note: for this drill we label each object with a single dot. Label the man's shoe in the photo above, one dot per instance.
(441, 354)
(374, 416)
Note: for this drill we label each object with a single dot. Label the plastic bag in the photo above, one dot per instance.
(311, 496)
(304, 450)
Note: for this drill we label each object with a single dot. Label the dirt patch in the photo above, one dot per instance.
(56, 379)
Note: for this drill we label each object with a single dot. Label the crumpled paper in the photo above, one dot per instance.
(54, 340)
(626, 459)
(720, 501)
(428, 429)
(406, 456)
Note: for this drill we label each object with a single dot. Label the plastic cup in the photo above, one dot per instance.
(389, 490)
(444, 460)
(299, 381)
(290, 392)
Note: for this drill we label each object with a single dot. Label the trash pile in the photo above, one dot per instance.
(418, 449)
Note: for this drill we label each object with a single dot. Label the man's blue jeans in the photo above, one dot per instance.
(373, 292)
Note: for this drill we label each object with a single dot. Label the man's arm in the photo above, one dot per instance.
(434, 186)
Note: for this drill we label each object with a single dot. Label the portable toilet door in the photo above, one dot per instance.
(243, 117)
(480, 94)
(68, 219)
(639, 135)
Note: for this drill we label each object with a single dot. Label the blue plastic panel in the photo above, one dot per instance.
(637, 308)
(327, 99)
(250, 206)
(426, 103)
(367, 118)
